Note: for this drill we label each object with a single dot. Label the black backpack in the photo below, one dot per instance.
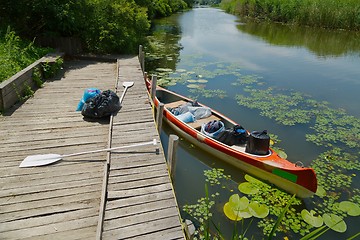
(102, 105)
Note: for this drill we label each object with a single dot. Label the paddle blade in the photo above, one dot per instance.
(39, 160)
(128, 84)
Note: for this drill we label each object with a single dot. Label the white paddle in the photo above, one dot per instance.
(45, 159)
(126, 85)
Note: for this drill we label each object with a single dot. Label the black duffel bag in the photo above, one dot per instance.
(233, 136)
(102, 105)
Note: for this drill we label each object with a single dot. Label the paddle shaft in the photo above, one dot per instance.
(126, 85)
(153, 142)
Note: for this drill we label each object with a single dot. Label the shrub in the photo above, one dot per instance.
(16, 54)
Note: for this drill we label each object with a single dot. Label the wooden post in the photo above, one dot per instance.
(159, 116)
(153, 87)
(171, 156)
(189, 229)
(145, 76)
(142, 58)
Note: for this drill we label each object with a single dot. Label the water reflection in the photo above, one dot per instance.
(322, 42)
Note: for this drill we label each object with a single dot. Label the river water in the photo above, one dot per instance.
(220, 59)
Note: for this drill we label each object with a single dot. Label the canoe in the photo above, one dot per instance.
(291, 177)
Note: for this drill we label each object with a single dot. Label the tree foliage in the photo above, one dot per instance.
(102, 25)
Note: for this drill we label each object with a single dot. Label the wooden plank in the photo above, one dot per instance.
(138, 200)
(139, 191)
(45, 220)
(140, 183)
(146, 228)
(51, 229)
(172, 233)
(147, 173)
(135, 210)
(147, 215)
(50, 210)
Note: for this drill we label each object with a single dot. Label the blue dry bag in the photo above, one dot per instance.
(88, 93)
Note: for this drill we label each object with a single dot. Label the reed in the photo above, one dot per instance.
(334, 14)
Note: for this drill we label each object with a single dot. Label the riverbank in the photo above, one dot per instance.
(332, 14)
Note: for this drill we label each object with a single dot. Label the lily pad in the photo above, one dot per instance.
(193, 86)
(350, 208)
(280, 152)
(230, 213)
(245, 213)
(202, 81)
(334, 222)
(235, 205)
(192, 81)
(320, 191)
(258, 210)
(311, 219)
(163, 70)
(252, 179)
(248, 188)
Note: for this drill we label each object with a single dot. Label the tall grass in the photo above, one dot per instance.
(16, 54)
(334, 14)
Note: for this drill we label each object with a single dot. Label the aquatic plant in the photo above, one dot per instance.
(331, 126)
(287, 109)
(207, 93)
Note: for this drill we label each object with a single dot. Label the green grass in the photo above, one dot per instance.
(334, 14)
(16, 54)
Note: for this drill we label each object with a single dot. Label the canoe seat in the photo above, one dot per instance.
(240, 148)
(197, 124)
(175, 104)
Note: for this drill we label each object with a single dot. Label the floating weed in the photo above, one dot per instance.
(207, 93)
(274, 139)
(285, 109)
(247, 80)
(215, 175)
(331, 126)
(332, 168)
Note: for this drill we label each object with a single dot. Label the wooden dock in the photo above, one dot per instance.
(122, 195)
